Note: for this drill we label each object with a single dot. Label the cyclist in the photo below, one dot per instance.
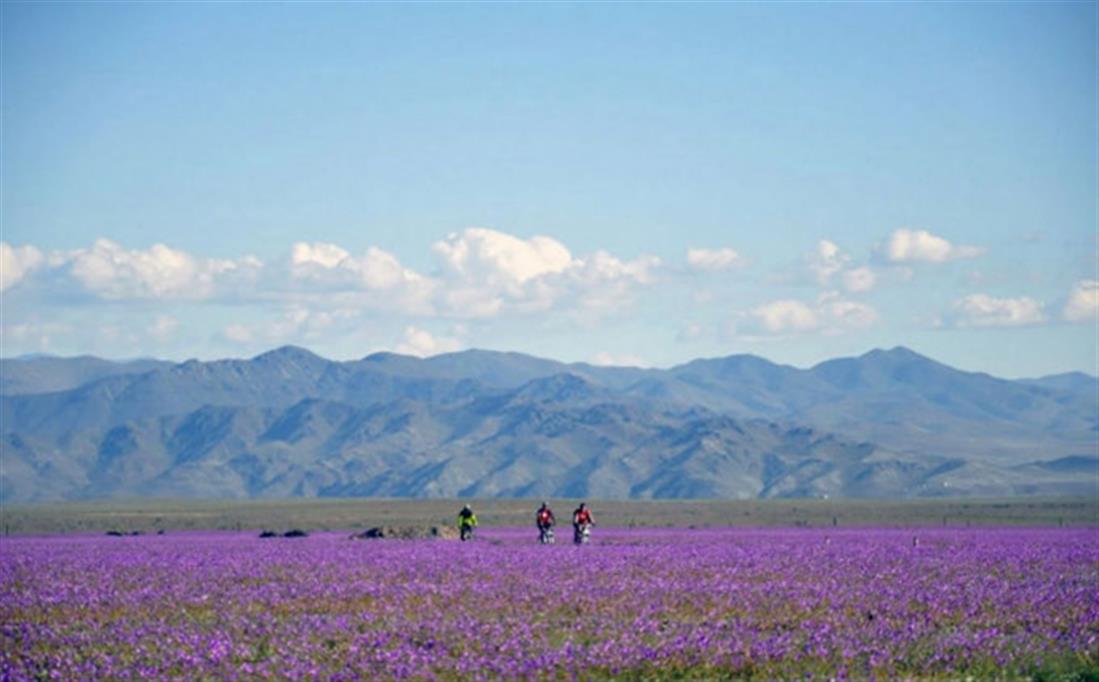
(545, 520)
(582, 521)
(467, 521)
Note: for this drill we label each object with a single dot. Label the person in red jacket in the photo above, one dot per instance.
(545, 521)
(545, 517)
(581, 521)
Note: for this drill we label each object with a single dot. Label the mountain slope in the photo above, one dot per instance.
(289, 423)
(1069, 382)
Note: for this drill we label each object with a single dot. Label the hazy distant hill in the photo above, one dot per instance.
(480, 423)
(1076, 382)
(45, 373)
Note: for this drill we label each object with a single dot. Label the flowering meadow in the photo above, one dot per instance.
(635, 604)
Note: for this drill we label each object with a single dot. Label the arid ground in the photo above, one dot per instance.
(149, 516)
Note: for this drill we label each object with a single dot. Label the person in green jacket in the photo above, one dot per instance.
(467, 521)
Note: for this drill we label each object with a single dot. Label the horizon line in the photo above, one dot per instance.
(28, 357)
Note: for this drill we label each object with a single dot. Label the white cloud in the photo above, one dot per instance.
(603, 282)
(982, 310)
(920, 246)
(859, 280)
(713, 260)
(319, 254)
(484, 273)
(603, 267)
(470, 302)
(160, 272)
(1083, 302)
(826, 261)
(829, 314)
(115, 273)
(381, 270)
(841, 315)
(785, 316)
(331, 264)
(327, 275)
(487, 255)
(421, 343)
(16, 262)
(605, 359)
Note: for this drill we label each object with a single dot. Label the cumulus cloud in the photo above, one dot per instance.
(713, 260)
(422, 343)
(826, 261)
(325, 256)
(112, 272)
(16, 262)
(827, 264)
(323, 274)
(481, 272)
(603, 267)
(487, 255)
(374, 270)
(842, 315)
(920, 246)
(982, 310)
(1083, 302)
(381, 270)
(603, 282)
(785, 316)
(484, 273)
(109, 271)
(829, 314)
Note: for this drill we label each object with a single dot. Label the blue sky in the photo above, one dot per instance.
(618, 183)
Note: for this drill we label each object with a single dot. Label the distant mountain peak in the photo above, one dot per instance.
(485, 356)
(294, 353)
(480, 352)
(895, 353)
(385, 355)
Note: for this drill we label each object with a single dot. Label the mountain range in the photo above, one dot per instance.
(890, 423)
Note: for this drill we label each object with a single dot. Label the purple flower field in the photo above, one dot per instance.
(635, 604)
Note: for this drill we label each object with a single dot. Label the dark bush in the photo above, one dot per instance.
(408, 533)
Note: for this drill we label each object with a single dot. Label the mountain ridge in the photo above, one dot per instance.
(288, 422)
